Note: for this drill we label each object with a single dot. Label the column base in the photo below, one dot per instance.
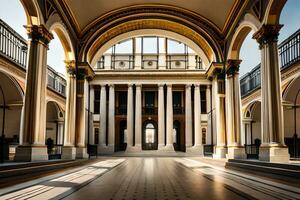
(221, 152)
(167, 148)
(134, 149)
(196, 149)
(68, 153)
(31, 153)
(106, 150)
(269, 153)
(236, 152)
(81, 153)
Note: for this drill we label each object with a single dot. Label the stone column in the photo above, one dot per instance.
(81, 113)
(161, 117)
(273, 148)
(111, 119)
(60, 132)
(188, 118)
(138, 117)
(103, 114)
(169, 114)
(69, 151)
(129, 118)
(92, 98)
(233, 111)
(34, 118)
(197, 148)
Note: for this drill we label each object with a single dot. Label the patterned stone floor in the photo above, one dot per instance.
(153, 178)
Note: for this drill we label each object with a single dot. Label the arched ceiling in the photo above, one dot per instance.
(217, 13)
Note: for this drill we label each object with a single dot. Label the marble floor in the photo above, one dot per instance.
(155, 178)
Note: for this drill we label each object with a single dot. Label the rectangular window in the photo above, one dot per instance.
(97, 102)
(203, 102)
(96, 131)
(150, 45)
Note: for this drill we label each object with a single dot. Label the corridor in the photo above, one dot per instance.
(152, 178)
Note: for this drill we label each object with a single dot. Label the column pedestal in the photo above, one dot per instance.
(81, 152)
(106, 150)
(196, 149)
(220, 152)
(274, 153)
(236, 152)
(68, 153)
(167, 148)
(31, 153)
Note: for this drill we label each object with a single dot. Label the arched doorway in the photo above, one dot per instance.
(150, 136)
(123, 135)
(11, 102)
(176, 135)
(54, 130)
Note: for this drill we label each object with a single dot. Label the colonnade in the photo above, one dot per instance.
(228, 131)
(165, 122)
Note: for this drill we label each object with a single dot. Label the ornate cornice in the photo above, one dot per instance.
(84, 71)
(214, 70)
(39, 33)
(267, 34)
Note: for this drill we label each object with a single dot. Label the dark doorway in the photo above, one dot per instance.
(123, 135)
(176, 135)
(150, 136)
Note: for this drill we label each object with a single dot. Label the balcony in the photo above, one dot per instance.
(121, 110)
(177, 110)
(14, 48)
(289, 54)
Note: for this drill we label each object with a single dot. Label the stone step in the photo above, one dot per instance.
(19, 169)
(282, 170)
(267, 164)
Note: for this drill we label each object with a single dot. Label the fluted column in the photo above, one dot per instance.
(161, 117)
(81, 110)
(92, 98)
(188, 117)
(111, 119)
(129, 117)
(169, 115)
(34, 116)
(69, 151)
(197, 116)
(138, 117)
(103, 114)
(233, 111)
(273, 148)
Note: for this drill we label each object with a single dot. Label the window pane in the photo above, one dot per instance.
(124, 47)
(150, 45)
(175, 47)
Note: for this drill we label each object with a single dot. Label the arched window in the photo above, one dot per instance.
(150, 132)
(204, 136)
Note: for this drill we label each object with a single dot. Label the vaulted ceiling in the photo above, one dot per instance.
(217, 13)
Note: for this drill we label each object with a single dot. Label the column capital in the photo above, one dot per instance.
(103, 85)
(85, 71)
(130, 85)
(188, 86)
(197, 85)
(71, 67)
(169, 85)
(267, 34)
(232, 66)
(39, 33)
(161, 85)
(208, 87)
(111, 86)
(138, 86)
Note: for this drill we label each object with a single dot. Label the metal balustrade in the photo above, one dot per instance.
(289, 54)
(14, 48)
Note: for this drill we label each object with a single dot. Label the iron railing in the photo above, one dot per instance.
(55, 152)
(208, 149)
(14, 48)
(150, 110)
(252, 151)
(289, 54)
